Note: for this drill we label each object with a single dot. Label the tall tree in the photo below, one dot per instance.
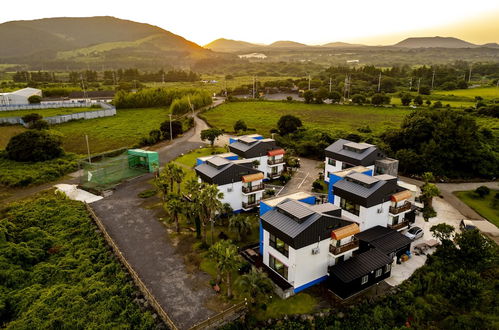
(255, 285)
(227, 260)
(241, 224)
(209, 198)
(211, 134)
(174, 207)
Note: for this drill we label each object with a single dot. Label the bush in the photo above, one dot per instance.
(34, 99)
(39, 125)
(240, 125)
(34, 146)
(358, 99)
(380, 98)
(30, 118)
(482, 191)
(176, 129)
(437, 105)
(288, 124)
(317, 185)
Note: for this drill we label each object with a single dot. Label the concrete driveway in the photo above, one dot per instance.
(303, 178)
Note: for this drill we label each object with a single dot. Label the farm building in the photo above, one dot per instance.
(19, 97)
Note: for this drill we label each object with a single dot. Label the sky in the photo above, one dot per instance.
(372, 22)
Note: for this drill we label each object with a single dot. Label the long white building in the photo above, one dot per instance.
(19, 97)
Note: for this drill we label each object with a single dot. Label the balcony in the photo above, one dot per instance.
(253, 188)
(399, 225)
(345, 247)
(398, 209)
(273, 175)
(275, 161)
(250, 205)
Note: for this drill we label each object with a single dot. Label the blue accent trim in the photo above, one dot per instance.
(309, 200)
(261, 238)
(264, 208)
(368, 172)
(309, 284)
(232, 157)
(237, 211)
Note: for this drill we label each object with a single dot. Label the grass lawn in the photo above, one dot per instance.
(454, 104)
(487, 93)
(301, 303)
(109, 133)
(46, 112)
(6, 132)
(482, 206)
(263, 116)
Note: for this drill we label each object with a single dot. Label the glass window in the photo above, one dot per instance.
(331, 162)
(349, 206)
(378, 272)
(364, 279)
(278, 266)
(395, 220)
(388, 268)
(279, 245)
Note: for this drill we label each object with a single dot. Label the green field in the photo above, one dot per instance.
(109, 133)
(482, 206)
(488, 93)
(263, 116)
(453, 103)
(46, 112)
(6, 132)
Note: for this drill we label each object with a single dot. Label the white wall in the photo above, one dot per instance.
(234, 197)
(368, 217)
(331, 169)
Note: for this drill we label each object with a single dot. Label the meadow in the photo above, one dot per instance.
(263, 116)
(46, 112)
(482, 206)
(488, 93)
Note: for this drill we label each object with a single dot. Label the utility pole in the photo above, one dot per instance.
(88, 149)
(308, 82)
(83, 87)
(163, 78)
(254, 84)
(346, 90)
(190, 105)
(419, 84)
(410, 85)
(432, 79)
(171, 134)
(330, 82)
(379, 82)
(469, 76)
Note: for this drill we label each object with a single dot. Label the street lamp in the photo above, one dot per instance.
(171, 134)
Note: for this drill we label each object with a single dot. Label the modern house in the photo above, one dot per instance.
(240, 183)
(297, 243)
(345, 154)
(389, 241)
(374, 201)
(268, 157)
(19, 97)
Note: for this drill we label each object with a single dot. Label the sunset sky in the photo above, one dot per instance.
(311, 22)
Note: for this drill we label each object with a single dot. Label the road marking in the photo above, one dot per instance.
(306, 176)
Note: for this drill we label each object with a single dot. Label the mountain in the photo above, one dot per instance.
(491, 45)
(287, 44)
(229, 45)
(339, 44)
(434, 42)
(101, 39)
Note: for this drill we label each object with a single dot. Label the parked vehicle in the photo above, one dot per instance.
(414, 233)
(467, 225)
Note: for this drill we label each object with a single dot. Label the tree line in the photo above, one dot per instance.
(181, 100)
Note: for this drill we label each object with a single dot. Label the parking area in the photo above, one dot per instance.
(445, 214)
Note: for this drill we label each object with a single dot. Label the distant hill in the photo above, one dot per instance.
(434, 42)
(491, 45)
(287, 44)
(339, 44)
(92, 39)
(228, 45)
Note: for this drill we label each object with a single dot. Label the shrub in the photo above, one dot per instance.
(34, 99)
(358, 99)
(176, 129)
(34, 146)
(482, 191)
(240, 125)
(288, 124)
(317, 185)
(380, 98)
(30, 118)
(40, 124)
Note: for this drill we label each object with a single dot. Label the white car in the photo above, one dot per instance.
(414, 233)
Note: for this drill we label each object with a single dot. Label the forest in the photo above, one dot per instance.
(56, 271)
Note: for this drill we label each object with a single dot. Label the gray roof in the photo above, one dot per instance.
(226, 172)
(324, 208)
(247, 140)
(255, 149)
(287, 225)
(373, 233)
(392, 242)
(218, 161)
(367, 179)
(358, 189)
(295, 209)
(360, 265)
(366, 157)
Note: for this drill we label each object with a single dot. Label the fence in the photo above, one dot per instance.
(107, 111)
(221, 318)
(145, 291)
(45, 105)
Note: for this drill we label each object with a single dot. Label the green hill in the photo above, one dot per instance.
(99, 40)
(228, 45)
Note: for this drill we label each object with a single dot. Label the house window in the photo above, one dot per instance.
(350, 207)
(395, 220)
(344, 166)
(364, 279)
(279, 245)
(278, 266)
(331, 162)
(388, 268)
(378, 272)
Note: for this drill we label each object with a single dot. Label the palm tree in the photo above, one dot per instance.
(168, 172)
(215, 253)
(255, 285)
(194, 209)
(161, 182)
(209, 199)
(228, 260)
(241, 225)
(174, 208)
(178, 175)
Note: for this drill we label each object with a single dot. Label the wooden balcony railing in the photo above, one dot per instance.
(345, 247)
(250, 205)
(399, 225)
(399, 209)
(275, 161)
(253, 188)
(273, 175)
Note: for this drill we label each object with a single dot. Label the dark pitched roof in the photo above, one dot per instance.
(373, 233)
(366, 190)
(360, 265)
(250, 148)
(392, 242)
(298, 225)
(220, 171)
(353, 153)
